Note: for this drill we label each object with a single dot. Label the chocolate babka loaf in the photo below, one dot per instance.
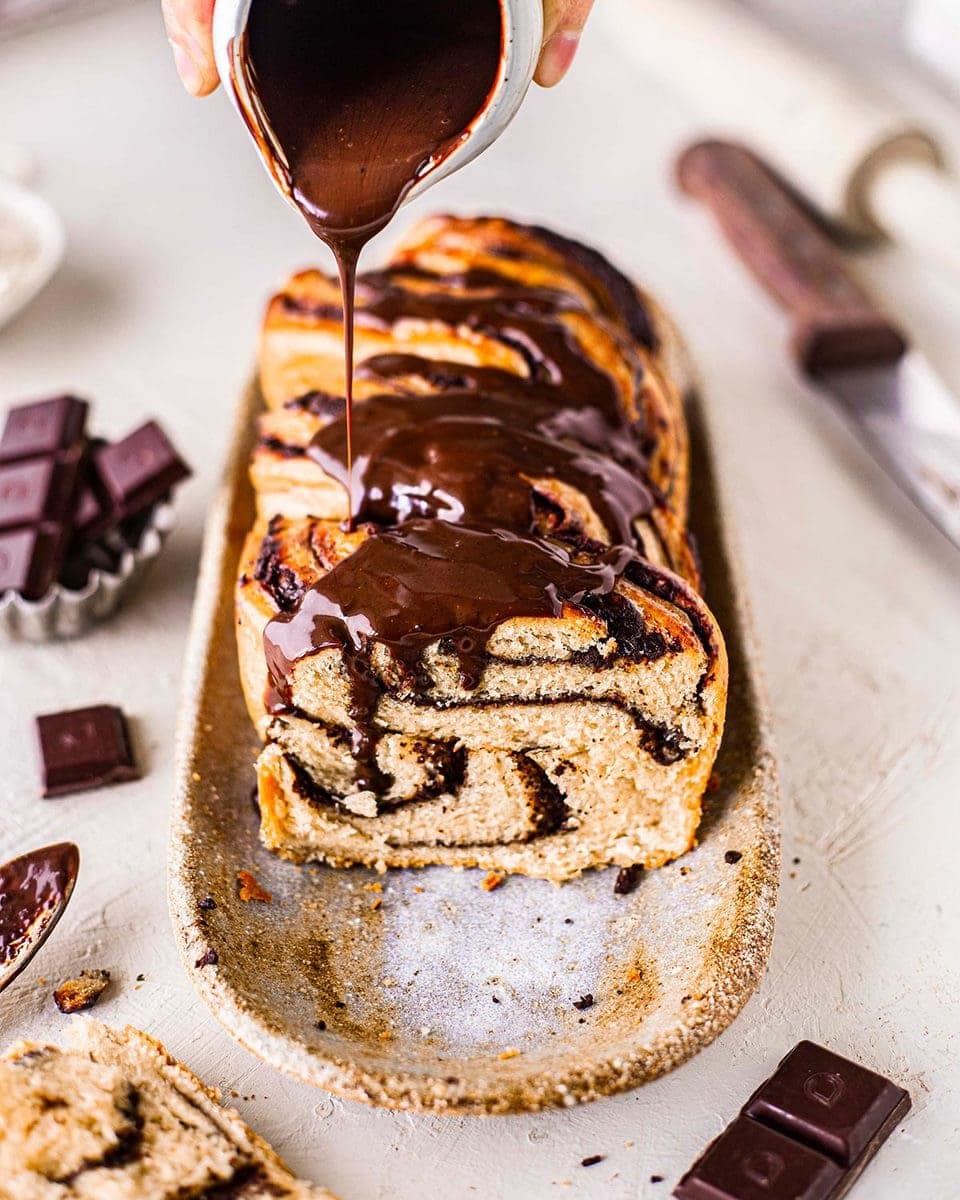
(114, 1117)
(481, 642)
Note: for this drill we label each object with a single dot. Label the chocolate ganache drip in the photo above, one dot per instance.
(417, 584)
(466, 457)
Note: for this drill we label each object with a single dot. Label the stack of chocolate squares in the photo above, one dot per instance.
(69, 502)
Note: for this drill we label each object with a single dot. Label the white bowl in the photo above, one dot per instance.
(523, 33)
(45, 238)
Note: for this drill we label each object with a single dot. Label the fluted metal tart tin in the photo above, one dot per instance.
(420, 990)
(65, 612)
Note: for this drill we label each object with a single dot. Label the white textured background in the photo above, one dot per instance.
(175, 241)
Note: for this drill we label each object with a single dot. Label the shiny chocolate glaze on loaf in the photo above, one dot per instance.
(449, 443)
(418, 583)
(467, 457)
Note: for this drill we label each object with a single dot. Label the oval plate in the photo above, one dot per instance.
(443, 996)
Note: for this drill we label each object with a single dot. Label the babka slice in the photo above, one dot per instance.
(114, 1117)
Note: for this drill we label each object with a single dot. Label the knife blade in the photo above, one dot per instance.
(904, 414)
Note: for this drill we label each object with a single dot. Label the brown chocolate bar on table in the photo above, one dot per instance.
(85, 748)
(805, 1134)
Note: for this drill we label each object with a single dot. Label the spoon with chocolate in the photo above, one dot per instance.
(34, 890)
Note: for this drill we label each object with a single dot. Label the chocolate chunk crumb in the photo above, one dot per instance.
(74, 995)
(207, 903)
(656, 1179)
(141, 977)
(584, 1002)
(251, 890)
(568, 920)
(209, 958)
(627, 880)
(796, 862)
(592, 1160)
(495, 999)
(732, 856)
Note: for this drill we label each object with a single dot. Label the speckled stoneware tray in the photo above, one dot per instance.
(444, 996)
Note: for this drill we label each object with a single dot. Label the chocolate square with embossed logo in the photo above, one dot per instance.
(29, 559)
(748, 1161)
(43, 427)
(85, 748)
(36, 490)
(140, 469)
(829, 1102)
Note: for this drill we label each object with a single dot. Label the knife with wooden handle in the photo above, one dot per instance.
(902, 411)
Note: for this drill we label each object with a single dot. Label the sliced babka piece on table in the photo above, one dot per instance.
(114, 1117)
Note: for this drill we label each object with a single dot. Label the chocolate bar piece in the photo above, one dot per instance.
(91, 517)
(44, 427)
(85, 748)
(38, 490)
(829, 1102)
(805, 1134)
(140, 469)
(60, 493)
(40, 455)
(29, 561)
(750, 1162)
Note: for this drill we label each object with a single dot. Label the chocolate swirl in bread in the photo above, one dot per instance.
(114, 1116)
(508, 587)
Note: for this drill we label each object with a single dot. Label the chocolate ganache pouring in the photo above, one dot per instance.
(356, 104)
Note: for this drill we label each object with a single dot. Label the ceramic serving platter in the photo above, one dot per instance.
(444, 996)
